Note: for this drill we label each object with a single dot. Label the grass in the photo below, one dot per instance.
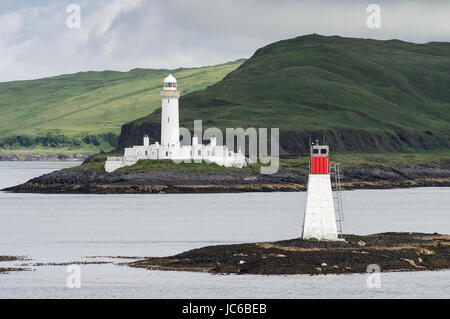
(48, 150)
(294, 164)
(392, 159)
(70, 107)
(363, 95)
(165, 165)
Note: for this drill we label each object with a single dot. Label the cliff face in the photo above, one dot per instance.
(294, 142)
(133, 134)
(361, 95)
(357, 140)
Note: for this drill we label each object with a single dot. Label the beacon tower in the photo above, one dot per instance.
(320, 217)
(170, 126)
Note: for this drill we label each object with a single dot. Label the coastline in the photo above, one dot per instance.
(43, 157)
(191, 189)
(91, 181)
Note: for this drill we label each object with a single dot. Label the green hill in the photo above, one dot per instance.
(83, 112)
(363, 95)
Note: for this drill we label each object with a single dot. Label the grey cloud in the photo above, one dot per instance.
(124, 34)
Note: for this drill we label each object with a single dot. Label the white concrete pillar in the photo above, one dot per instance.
(170, 126)
(320, 217)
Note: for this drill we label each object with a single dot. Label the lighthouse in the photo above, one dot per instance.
(170, 129)
(320, 216)
(170, 147)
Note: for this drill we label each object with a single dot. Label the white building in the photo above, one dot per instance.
(170, 147)
(320, 215)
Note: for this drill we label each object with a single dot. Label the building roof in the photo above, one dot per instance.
(170, 79)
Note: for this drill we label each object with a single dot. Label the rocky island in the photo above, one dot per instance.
(390, 251)
(167, 177)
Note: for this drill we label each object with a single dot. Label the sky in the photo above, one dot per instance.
(37, 41)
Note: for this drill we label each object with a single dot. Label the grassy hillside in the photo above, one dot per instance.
(83, 112)
(363, 95)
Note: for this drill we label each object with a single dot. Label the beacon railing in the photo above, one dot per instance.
(337, 196)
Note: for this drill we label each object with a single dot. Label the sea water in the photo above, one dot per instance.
(58, 228)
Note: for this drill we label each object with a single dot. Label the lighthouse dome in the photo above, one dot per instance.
(170, 82)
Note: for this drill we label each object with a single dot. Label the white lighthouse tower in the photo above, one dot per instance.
(170, 129)
(320, 215)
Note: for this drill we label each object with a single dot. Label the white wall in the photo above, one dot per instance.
(170, 129)
(320, 217)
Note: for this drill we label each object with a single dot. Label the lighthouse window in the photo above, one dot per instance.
(315, 151)
(323, 151)
(167, 153)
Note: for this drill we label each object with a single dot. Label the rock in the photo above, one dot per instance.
(43, 157)
(425, 251)
(390, 251)
(412, 263)
(90, 181)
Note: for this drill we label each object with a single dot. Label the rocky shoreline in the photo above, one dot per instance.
(390, 251)
(4, 270)
(79, 181)
(43, 157)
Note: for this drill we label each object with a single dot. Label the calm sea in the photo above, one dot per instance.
(73, 228)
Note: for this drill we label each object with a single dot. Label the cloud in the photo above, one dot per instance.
(10, 23)
(125, 34)
(100, 21)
